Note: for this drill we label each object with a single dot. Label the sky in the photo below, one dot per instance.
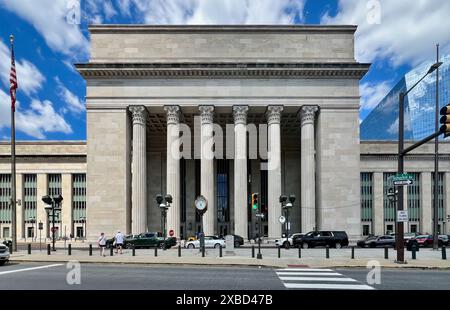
(51, 35)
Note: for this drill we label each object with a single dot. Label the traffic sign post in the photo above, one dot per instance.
(171, 232)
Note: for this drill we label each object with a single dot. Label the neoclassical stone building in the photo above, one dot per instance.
(223, 112)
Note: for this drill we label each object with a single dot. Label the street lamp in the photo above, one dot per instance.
(401, 161)
(164, 207)
(286, 206)
(32, 221)
(83, 221)
(53, 204)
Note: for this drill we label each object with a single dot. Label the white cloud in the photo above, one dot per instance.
(108, 9)
(407, 32)
(40, 118)
(73, 103)
(373, 93)
(216, 11)
(29, 78)
(49, 17)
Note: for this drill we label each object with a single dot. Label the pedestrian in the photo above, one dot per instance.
(119, 242)
(102, 244)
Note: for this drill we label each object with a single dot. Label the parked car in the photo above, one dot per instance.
(336, 239)
(8, 243)
(4, 254)
(290, 240)
(445, 239)
(210, 242)
(149, 240)
(110, 241)
(377, 241)
(238, 241)
(427, 241)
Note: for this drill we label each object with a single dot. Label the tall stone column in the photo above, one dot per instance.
(139, 171)
(274, 170)
(207, 168)
(173, 168)
(308, 180)
(240, 171)
(378, 204)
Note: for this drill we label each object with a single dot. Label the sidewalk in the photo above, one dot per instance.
(314, 258)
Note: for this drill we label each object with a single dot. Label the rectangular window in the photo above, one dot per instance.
(389, 229)
(5, 198)
(441, 208)
(366, 197)
(223, 210)
(54, 189)
(30, 232)
(6, 232)
(80, 232)
(414, 198)
(29, 197)
(79, 199)
(389, 207)
(414, 228)
(366, 230)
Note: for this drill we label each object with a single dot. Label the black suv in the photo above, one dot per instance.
(334, 239)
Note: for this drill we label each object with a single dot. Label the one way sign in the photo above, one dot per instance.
(403, 182)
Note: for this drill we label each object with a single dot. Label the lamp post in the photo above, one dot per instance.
(164, 207)
(436, 161)
(53, 204)
(83, 221)
(401, 161)
(287, 206)
(32, 221)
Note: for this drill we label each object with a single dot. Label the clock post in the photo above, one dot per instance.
(201, 204)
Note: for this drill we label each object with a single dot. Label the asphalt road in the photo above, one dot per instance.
(50, 276)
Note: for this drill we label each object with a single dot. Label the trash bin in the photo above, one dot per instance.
(412, 243)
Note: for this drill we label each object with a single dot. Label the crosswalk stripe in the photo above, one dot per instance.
(304, 269)
(325, 279)
(328, 286)
(308, 273)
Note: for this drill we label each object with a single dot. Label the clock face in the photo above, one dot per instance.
(200, 203)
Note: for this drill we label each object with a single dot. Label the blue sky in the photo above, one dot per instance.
(393, 35)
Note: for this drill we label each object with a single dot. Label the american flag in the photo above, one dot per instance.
(13, 79)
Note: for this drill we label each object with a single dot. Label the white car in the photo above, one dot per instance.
(282, 241)
(210, 242)
(4, 254)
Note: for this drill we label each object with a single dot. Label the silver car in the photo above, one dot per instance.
(4, 254)
(210, 242)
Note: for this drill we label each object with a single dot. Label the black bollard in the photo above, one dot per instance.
(69, 249)
(413, 249)
(386, 253)
(156, 251)
(220, 251)
(179, 250)
(253, 251)
(29, 248)
(279, 252)
(133, 251)
(48, 249)
(353, 252)
(203, 251)
(327, 252)
(90, 249)
(299, 252)
(444, 252)
(111, 249)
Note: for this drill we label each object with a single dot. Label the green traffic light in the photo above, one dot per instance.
(255, 206)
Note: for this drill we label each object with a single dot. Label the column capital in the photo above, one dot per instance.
(307, 113)
(240, 114)
(139, 114)
(173, 114)
(274, 114)
(207, 114)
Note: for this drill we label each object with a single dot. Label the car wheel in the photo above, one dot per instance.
(129, 246)
(286, 245)
(305, 245)
(338, 245)
(191, 246)
(2, 262)
(217, 245)
(236, 244)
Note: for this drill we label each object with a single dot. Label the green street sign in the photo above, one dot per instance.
(403, 177)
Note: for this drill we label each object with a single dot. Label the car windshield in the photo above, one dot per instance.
(372, 238)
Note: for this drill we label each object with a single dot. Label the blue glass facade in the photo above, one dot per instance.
(382, 122)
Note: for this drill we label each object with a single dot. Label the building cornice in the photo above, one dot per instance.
(223, 70)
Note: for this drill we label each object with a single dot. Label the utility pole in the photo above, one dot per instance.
(436, 163)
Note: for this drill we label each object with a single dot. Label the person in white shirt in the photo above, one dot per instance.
(119, 241)
(102, 244)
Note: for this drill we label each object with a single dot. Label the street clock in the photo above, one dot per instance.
(201, 204)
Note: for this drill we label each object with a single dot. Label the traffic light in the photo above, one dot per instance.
(255, 201)
(445, 120)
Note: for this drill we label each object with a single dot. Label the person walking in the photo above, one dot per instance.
(119, 242)
(102, 244)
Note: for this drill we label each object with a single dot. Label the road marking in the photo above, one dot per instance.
(328, 286)
(29, 269)
(293, 273)
(325, 279)
(304, 269)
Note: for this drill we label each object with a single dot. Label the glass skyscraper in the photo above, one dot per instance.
(382, 122)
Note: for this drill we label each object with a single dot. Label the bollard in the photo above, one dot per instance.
(253, 251)
(353, 252)
(220, 251)
(299, 252)
(156, 251)
(29, 248)
(90, 249)
(327, 252)
(179, 250)
(48, 249)
(413, 249)
(386, 253)
(279, 252)
(69, 249)
(203, 251)
(111, 249)
(444, 252)
(133, 251)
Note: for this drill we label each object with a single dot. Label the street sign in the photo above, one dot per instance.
(403, 182)
(171, 232)
(403, 179)
(41, 226)
(402, 216)
(259, 215)
(282, 219)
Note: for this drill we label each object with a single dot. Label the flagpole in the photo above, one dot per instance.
(13, 168)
